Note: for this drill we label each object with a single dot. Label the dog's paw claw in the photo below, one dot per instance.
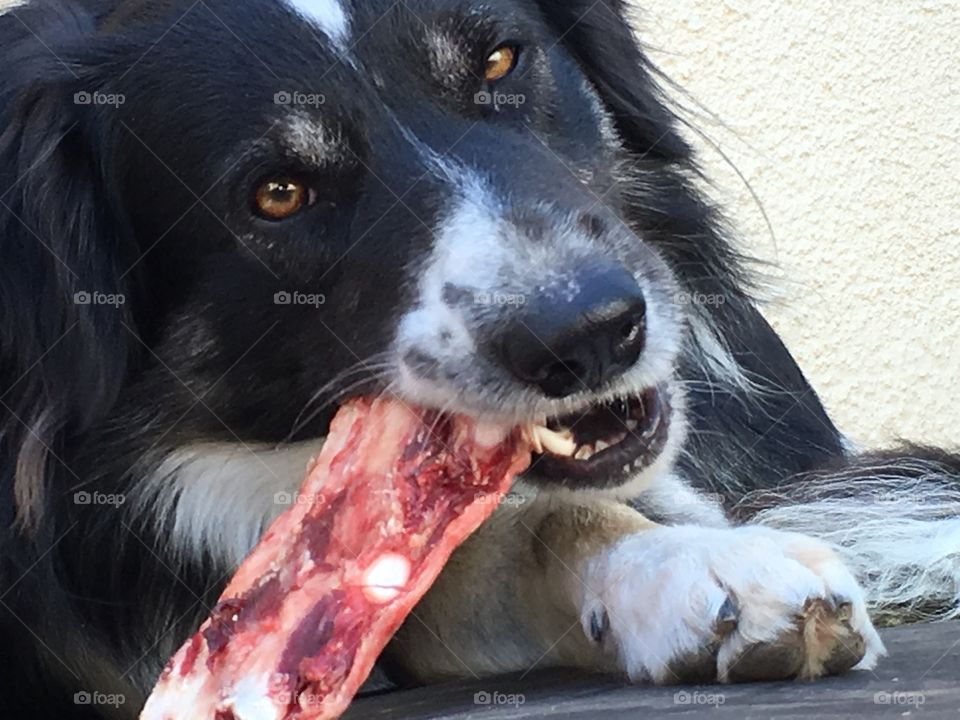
(842, 606)
(727, 618)
(599, 625)
(832, 644)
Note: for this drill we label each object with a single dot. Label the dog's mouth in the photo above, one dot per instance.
(603, 447)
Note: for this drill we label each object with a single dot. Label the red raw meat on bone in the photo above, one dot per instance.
(299, 627)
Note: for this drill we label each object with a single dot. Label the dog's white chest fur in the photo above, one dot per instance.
(216, 500)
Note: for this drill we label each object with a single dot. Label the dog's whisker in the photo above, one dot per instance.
(371, 365)
(309, 414)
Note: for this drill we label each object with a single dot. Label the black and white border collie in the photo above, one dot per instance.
(220, 218)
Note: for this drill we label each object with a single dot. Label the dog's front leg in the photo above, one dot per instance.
(596, 585)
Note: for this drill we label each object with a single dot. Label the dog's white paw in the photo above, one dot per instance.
(683, 604)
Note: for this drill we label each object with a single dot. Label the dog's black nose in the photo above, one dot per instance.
(578, 337)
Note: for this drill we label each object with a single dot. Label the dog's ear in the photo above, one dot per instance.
(65, 318)
(598, 34)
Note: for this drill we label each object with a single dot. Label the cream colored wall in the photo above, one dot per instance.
(845, 117)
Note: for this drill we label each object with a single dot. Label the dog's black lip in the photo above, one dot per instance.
(616, 465)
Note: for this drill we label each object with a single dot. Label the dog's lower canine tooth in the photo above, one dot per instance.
(557, 443)
(583, 453)
(530, 434)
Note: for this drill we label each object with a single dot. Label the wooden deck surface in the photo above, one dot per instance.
(919, 679)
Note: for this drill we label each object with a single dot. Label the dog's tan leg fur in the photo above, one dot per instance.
(506, 600)
(565, 538)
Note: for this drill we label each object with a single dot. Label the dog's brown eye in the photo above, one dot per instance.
(500, 63)
(281, 198)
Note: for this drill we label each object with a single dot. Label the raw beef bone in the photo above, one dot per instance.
(298, 629)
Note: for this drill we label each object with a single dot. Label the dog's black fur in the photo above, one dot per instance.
(145, 200)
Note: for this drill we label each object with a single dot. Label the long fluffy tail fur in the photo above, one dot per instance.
(894, 516)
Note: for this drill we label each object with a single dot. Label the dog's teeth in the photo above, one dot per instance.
(632, 424)
(601, 445)
(557, 443)
(584, 453)
(530, 435)
(654, 427)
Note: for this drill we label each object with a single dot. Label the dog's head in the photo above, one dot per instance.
(220, 218)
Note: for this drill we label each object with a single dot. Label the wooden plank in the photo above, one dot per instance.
(920, 678)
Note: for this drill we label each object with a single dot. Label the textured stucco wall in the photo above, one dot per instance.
(845, 117)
